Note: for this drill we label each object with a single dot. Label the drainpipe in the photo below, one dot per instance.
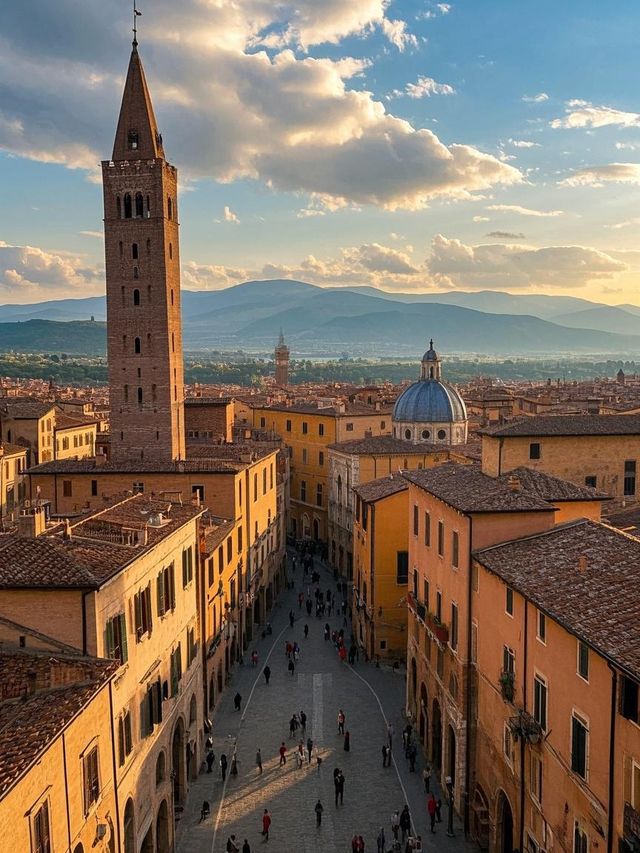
(373, 578)
(612, 769)
(522, 743)
(500, 441)
(469, 706)
(84, 623)
(115, 770)
(66, 787)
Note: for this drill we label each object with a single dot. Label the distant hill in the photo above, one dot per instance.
(76, 337)
(606, 318)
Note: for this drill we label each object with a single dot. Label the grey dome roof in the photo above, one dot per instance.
(429, 401)
(430, 354)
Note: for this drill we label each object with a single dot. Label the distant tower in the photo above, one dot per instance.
(620, 377)
(282, 362)
(431, 364)
(144, 336)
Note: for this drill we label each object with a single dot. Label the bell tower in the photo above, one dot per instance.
(282, 362)
(142, 254)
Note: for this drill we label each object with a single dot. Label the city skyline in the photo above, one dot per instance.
(312, 144)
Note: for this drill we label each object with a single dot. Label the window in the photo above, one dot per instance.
(383, 424)
(127, 206)
(137, 487)
(263, 423)
(454, 549)
(303, 490)
(540, 701)
(580, 839)
(321, 458)
(139, 205)
(66, 488)
(425, 593)
(187, 566)
(319, 494)
(166, 590)
(288, 426)
(139, 396)
(440, 539)
(440, 662)
(416, 522)
(541, 630)
(320, 429)
(125, 742)
(305, 427)
(192, 649)
(425, 433)
(169, 207)
(115, 638)
(137, 346)
(579, 732)
(439, 606)
(41, 830)
(407, 433)
(630, 478)
(134, 251)
(91, 777)
(508, 605)
(508, 660)
(583, 660)
(453, 639)
(442, 434)
(239, 539)
(535, 774)
(402, 567)
(304, 455)
(142, 611)
(176, 669)
(427, 529)
(507, 744)
(132, 140)
(151, 708)
(136, 297)
(591, 481)
(629, 699)
(534, 450)
(635, 786)
(349, 427)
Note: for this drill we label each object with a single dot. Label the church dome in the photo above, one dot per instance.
(430, 400)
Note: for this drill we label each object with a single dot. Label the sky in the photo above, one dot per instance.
(409, 145)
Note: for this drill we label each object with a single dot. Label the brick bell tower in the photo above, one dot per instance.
(144, 330)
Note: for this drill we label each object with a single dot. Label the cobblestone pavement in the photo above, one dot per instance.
(320, 686)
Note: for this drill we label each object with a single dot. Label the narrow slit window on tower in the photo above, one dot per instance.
(132, 140)
(172, 296)
(173, 342)
(149, 293)
(139, 205)
(170, 251)
(148, 246)
(122, 292)
(169, 207)
(126, 393)
(124, 343)
(148, 343)
(119, 207)
(127, 206)
(136, 297)
(134, 251)
(148, 208)
(136, 273)
(136, 346)
(154, 392)
(139, 396)
(121, 249)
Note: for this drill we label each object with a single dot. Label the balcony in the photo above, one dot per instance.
(525, 727)
(507, 685)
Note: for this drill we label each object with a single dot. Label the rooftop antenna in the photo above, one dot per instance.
(135, 24)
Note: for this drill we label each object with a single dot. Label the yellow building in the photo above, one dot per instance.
(13, 464)
(57, 786)
(122, 584)
(75, 437)
(307, 431)
(601, 451)
(381, 566)
(29, 423)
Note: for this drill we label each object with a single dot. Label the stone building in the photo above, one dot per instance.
(281, 356)
(13, 464)
(29, 423)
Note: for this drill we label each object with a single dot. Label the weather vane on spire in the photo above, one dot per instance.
(135, 24)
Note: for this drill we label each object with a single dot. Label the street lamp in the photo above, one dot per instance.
(449, 784)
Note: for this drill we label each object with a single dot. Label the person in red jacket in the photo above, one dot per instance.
(266, 823)
(431, 808)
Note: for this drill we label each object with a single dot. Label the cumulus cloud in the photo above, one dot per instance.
(598, 176)
(523, 143)
(29, 274)
(229, 216)
(424, 87)
(229, 109)
(481, 219)
(455, 264)
(585, 114)
(307, 212)
(506, 235)
(523, 211)
(540, 98)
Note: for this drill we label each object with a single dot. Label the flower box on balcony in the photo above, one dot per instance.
(507, 686)
(440, 632)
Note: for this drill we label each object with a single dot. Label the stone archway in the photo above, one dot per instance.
(504, 824)
(316, 529)
(178, 763)
(162, 829)
(436, 736)
(481, 824)
(129, 834)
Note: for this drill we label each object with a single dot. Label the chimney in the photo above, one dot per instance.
(514, 483)
(32, 522)
(582, 563)
(66, 533)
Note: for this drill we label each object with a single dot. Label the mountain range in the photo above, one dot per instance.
(357, 320)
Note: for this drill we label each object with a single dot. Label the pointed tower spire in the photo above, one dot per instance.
(137, 136)
(281, 338)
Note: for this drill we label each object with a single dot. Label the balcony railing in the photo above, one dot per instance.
(507, 685)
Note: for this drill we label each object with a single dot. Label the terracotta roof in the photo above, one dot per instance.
(552, 488)
(214, 536)
(12, 449)
(467, 489)
(64, 421)
(24, 407)
(207, 401)
(598, 600)
(88, 466)
(381, 444)
(625, 519)
(64, 684)
(376, 490)
(353, 409)
(548, 425)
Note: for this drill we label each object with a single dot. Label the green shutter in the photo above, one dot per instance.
(160, 586)
(137, 607)
(184, 568)
(124, 651)
(147, 604)
(120, 742)
(108, 639)
(172, 586)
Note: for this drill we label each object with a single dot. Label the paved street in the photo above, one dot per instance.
(320, 686)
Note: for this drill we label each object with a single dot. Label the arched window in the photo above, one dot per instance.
(140, 396)
(407, 433)
(139, 205)
(173, 342)
(193, 710)
(127, 206)
(134, 251)
(169, 207)
(136, 346)
(136, 297)
(136, 273)
(339, 489)
(119, 207)
(132, 140)
(160, 768)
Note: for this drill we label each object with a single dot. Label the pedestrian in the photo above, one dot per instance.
(406, 738)
(318, 810)
(303, 722)
(232, 847)
(309, 606)
(405, 822)
(360, 844)
(438, 807)
(288, 648)
(283, 754)
(381, 841)
(292, 666)
(210, 759)
(254, 657)
(306, 630)
(342, 654)
(413, 754)
(426, 775)
(223, 766)
(327, 632)
(293, 725)
(341, 719)
(291, 618)
(237, 701)
(259, 760)
(354, 844)
(395, 824)
(385, 754)
(300, 754)
(267, 674)
(431, 808)
(300, 600)
(340, 788)
(246, 848)
(347, 741)
(390, 734)
(309, 748)
(266, 823)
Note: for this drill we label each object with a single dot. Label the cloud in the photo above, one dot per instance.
(505, 235)
(627, 146)
(523, 211)
(523, 143)
(584, 114)
(307, 212)
(598, 176)
(455, 264)
(481, 219)
(99, 235)
(29, 274)
(626, 224)
(444, 8)
(424, 87)
(396, 32)
(230, 216)
(540, 98)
